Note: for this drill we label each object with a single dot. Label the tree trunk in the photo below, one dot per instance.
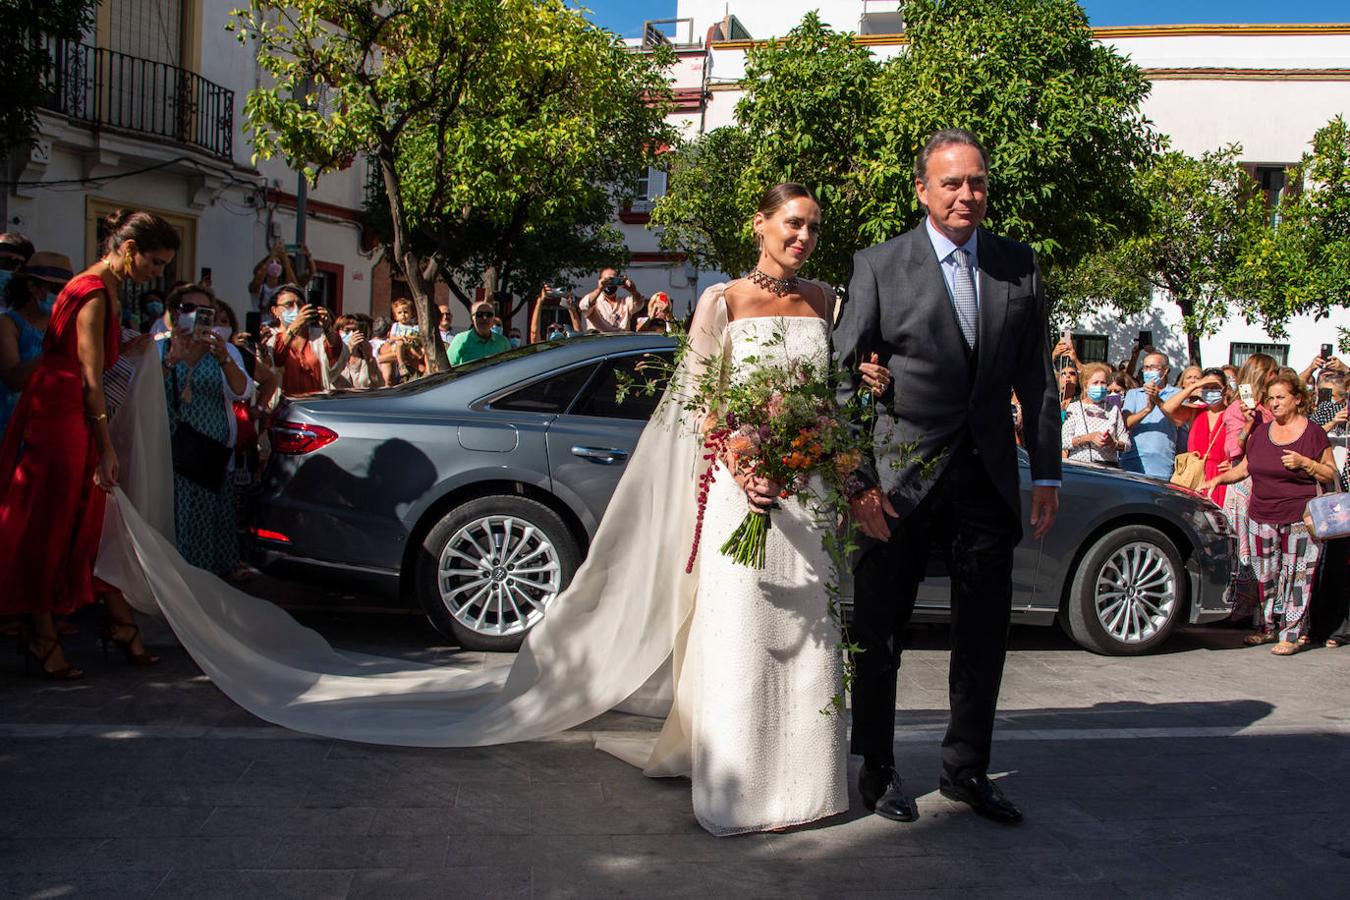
(411, 265)
(1187, 308)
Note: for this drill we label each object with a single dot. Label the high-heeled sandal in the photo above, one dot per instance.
(30, 655)
(111, 628)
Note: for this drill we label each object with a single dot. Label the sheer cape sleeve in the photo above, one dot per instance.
(614, 634)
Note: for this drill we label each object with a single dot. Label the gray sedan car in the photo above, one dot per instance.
(476, 492)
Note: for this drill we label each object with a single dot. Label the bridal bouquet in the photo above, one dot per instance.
(780, 421)
(781, 424)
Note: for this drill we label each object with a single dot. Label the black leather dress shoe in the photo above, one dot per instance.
(983, 796)
(883, 795)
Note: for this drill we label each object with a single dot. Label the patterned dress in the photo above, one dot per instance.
(30, 347)
(204, 520)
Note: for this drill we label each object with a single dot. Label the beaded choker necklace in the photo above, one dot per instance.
(779, 287)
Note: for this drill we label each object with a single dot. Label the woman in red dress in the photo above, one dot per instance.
(57, 462)
(1202, 406)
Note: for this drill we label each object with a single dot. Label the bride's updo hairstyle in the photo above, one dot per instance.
(148, 230)
(780, 194)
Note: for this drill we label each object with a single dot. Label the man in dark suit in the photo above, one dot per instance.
(958, 317)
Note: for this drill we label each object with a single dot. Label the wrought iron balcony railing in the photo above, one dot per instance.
(108, 88)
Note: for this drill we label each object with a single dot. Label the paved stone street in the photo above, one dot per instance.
(1209, 770)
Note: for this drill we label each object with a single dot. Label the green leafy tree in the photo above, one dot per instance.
(1300, 263)
(806, 116)
(1058, 111)
(25, 60)
(504, 132)
(1203, 214)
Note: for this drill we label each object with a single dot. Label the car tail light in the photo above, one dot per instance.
(299, 438)
(265, 535)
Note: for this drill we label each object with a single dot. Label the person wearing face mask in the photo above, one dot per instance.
(362, 371)
(202, 381)
(604, 310)
(1201, 405)
(482, 340)
(1092, 432)
(29, 296)
(306, 349)
(1153, 434)
(514, 338)
(15, 251)
(269, 275)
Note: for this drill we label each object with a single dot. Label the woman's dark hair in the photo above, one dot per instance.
(1213, 372)
(290, 288)
(1122, 378)
(148, 230)
(780, 194)
(380, 328)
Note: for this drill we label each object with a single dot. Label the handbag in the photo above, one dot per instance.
(1189, 469)
(1327, 516)
(197, 457)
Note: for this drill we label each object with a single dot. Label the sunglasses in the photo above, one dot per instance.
(484, 314)
(10, 263)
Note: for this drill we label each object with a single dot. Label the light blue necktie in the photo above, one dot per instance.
(963, 296)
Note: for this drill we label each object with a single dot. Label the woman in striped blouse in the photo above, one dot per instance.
(1092, 432)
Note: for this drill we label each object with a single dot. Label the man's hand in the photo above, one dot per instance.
(1151, 393)
(1044, 508)
(869, 509)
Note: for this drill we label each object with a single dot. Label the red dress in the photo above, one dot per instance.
(51, 512)
(1209, 443)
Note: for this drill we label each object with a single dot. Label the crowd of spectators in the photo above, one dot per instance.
(1260, 441)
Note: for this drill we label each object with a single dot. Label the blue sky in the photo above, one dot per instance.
(626, 16)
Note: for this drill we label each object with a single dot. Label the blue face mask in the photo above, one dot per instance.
(1097, 393)
(1152, 377)
(289, 315)
(515, 342)
(496, 329)
(46, 303)
(1211, 396)
(154, 309)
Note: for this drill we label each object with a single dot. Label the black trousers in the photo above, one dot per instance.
(977, 531)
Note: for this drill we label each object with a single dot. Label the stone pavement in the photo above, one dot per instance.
(1210, 770)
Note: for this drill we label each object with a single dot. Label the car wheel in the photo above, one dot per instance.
(490, 569)
(1127, 593)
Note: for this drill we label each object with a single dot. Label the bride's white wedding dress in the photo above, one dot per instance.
(740, 662)
(764, 655)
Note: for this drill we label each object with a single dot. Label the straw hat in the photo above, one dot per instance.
(53, 268)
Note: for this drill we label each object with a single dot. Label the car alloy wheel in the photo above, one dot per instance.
(1135, 593)
(497, 575)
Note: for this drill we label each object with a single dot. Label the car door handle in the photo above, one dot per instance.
(603, 455)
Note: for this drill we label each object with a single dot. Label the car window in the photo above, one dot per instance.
(547, 395)
(601, 395)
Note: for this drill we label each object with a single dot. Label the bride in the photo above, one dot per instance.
(740, 661)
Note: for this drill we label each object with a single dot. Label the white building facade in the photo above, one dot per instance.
(1267, 88)
(146, 112)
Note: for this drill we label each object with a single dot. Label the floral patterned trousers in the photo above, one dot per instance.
(1284, 560)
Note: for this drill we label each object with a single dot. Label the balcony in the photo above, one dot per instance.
(105, 88)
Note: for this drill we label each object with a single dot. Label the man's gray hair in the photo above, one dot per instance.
(945, 138)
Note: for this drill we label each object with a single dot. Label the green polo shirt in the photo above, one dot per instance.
(467, 346)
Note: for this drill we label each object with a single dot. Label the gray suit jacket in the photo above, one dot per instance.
(899, 308)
